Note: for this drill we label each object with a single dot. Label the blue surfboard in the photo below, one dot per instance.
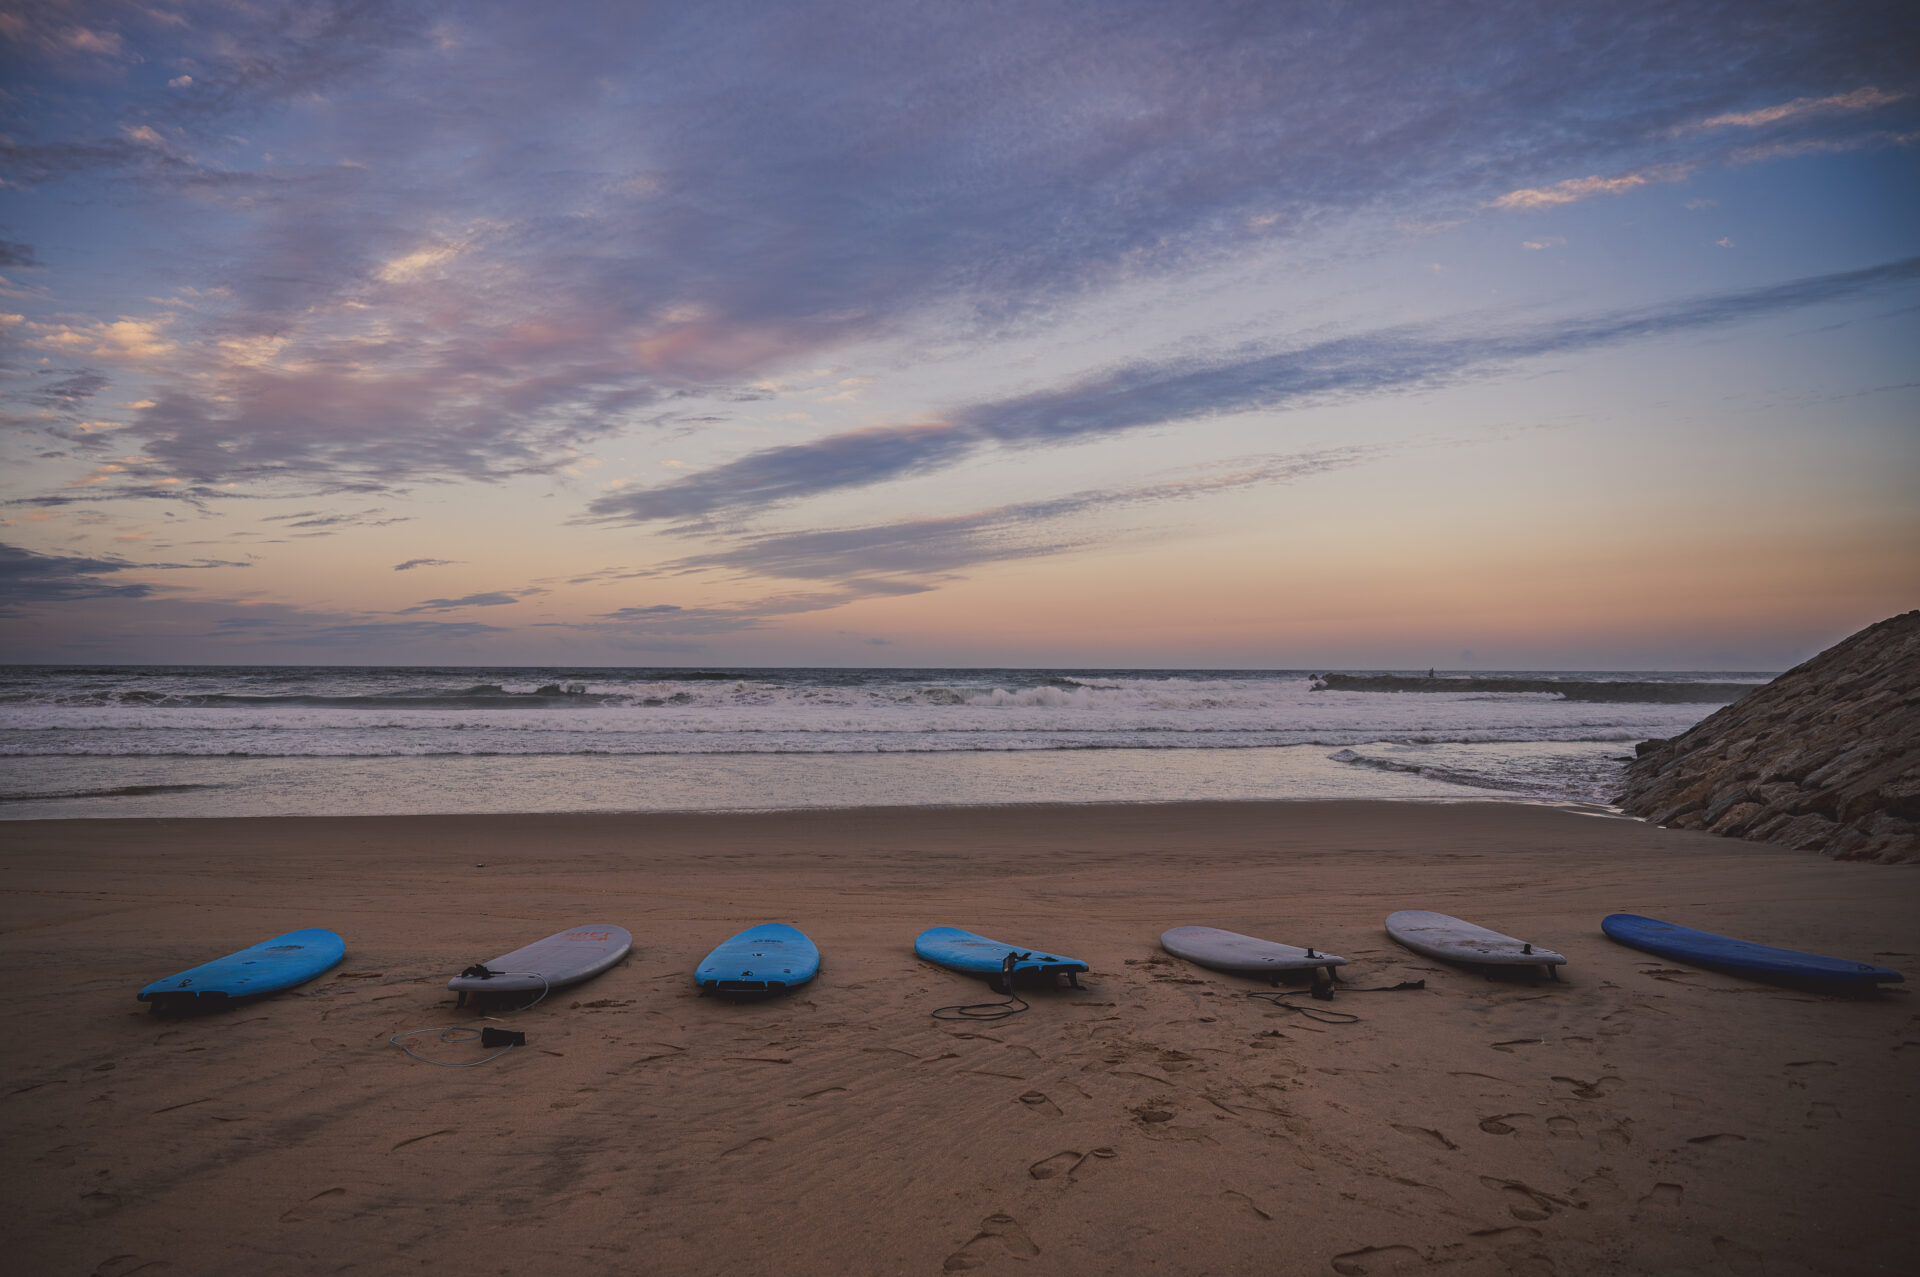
(1740, 957)
(767, 959)
(977, 955)
(271, 965)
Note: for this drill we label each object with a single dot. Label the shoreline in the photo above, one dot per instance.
(1575, 805)
(1640, 1116)
(210, 786)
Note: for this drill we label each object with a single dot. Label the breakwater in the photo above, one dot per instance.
(1615, 691)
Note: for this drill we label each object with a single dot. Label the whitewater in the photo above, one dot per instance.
(193, 740)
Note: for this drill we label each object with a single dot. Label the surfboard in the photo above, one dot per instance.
(563, 958)
(1243, 955)
(1741, 957)
(767, 959)
(972, 954)
(267, 967)
(1450, 939)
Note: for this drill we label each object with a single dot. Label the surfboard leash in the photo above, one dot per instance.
(452, 1034)
(1324, 993)
(983, 1011)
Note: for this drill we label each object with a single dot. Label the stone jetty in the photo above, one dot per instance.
(1824, 758)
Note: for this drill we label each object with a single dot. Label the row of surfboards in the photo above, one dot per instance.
(774, 957)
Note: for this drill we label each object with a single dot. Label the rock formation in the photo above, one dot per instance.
(1824, 758)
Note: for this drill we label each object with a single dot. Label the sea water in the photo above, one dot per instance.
(251, 740)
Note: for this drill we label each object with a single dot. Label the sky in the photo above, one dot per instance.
(1232, 335)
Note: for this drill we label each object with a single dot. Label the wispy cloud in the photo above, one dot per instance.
(490, 598)
(1821, 146)
(296, 629)
(71, 389)
(411, 297)
(911, 549)
(1152, 393)
(30, 578)
(673, 621)
(325, 523)
(1574, 189)
(1859, 100)
(411, 564)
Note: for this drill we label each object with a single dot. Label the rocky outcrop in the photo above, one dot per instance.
(1824, 758)
(1567, 689)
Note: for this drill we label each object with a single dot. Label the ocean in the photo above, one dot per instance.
(153, 741)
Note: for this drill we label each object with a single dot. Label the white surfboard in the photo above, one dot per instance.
(1438, 935)
(1247, 955)
(566, 957)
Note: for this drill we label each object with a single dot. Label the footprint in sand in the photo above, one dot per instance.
(1057, 1165)
(1820, 1114)
(1038, 1101)
(1426, 1134)
(126, 1265)
(1245, 1201)
(1619, 1135)
(1501, 1123)
(1596, 1090)
(1369, 1261)
(1738, 1259)
(1564, 1127)
(1718, 1137)
(1523, 1203)
(1506, 1048)
(415, 1139)
(754, 1145)
(1513, 1249)
(309, 1210)
(1664, 1195)
(999, 1234)
(101, 1202)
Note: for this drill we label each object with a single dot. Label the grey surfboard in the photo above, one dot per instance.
(1450, 939)
(1246, 955)
(563, 958)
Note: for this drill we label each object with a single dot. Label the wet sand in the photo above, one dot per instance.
(1638, 1118)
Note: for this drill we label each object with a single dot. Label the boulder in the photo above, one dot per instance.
(1824, 758)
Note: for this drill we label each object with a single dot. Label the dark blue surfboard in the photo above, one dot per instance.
(977, 955)
(268, 967)
(767, 959)
(1740, 957)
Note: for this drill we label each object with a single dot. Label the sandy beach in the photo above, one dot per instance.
(1637, 1118)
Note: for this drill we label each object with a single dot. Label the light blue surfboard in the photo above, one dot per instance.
(271, 965)
(767, 959)
(977, 955)
(1741, 957)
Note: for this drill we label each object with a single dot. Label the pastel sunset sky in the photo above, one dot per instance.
(1076, 334)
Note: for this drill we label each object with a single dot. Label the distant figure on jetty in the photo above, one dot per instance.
(1429, 673)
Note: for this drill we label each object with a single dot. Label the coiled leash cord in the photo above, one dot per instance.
(983, 1011)
(461, 1032)
(1323, 992)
